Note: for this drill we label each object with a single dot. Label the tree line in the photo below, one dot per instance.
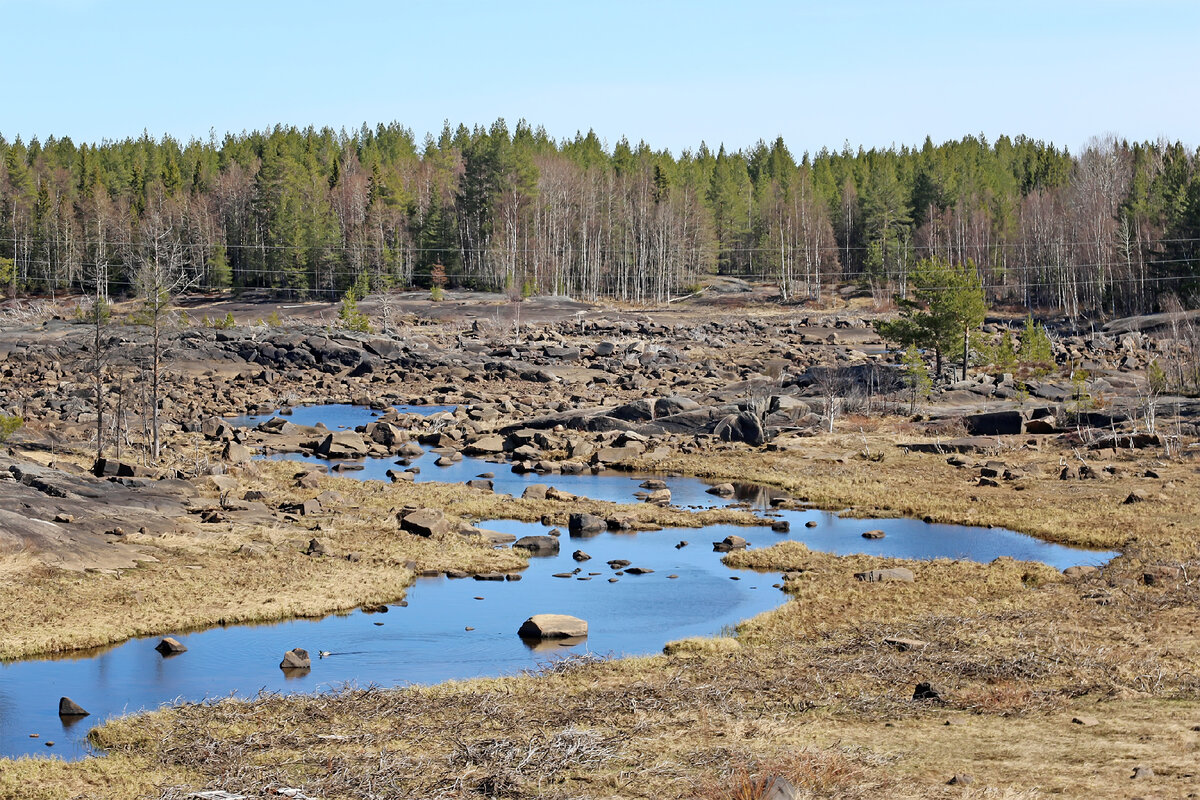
(1112, 230)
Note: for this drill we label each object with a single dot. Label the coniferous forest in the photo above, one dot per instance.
(1111, 230)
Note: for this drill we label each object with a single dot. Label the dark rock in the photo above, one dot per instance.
(170, 646)
(296, 658)
(901, 574)
(585, 523)
(579, 555)
(927, 691)
(69, 708)
(994, 423)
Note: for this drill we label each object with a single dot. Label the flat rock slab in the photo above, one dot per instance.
(553, 626)
(900, 574)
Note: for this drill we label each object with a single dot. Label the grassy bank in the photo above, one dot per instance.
(812, 693)
(217, 575)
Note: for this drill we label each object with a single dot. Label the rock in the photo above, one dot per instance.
(579, 555)
(879, 575)
(904, 645)
(1086, 722)
(638, 571)
(781, 526)
(721, 490)
(960, 779)
(1139, 773)
(779, 788)
(1136, 496)
(425, 522)
(927, 691)
(343, 444)
(236, 453)
(69, 708)
(653, 484)
(731, 542)
(812, 523)
(583, 523)
(553, 626)
(296, 658)
(396, 476)
(994, 423)
(659, 496)
(485, 445)
(535, 491)
(316, 547)
(64, 518)
(482, 484)
(538, 545)
(169, 646)
(873, 534)
(741, 427)
(1079, 571)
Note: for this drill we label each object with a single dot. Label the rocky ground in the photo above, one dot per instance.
(725, 385)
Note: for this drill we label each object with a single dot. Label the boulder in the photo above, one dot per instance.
(296, 658)
(425, 522)
(901, 574)
(994, 423)
(343, 444)
(731, 542)
(538, 545)
(926, 691)
(236, 453)
(553, 626)
(69, 708)
(741, 427)
(485, 445)
(721, 490)
(169, 646)
(535, 491)
(583, 523)
(873, 534)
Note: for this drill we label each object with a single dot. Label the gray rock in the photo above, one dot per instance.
(553, 626)
(296, 658)
(538, 545)
(425, 522)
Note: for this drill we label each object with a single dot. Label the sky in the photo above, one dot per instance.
(674, 74)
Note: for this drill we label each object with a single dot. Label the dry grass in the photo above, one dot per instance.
(202, 580)
(831, 472)
(810, 692)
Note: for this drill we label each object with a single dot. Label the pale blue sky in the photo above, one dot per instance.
(672, 73)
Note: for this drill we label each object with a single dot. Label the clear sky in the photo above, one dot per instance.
(671, 73)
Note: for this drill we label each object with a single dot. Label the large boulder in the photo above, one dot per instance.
(236, 453)
(485, 445)
(994, 423)
(553, 626)
(425, 522)
(583, 523)
(343, 444)
(741, 427)
(538, 545)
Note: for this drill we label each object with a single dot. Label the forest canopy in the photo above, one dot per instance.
(1111, 230)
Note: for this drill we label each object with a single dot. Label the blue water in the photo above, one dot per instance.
(428, 641)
